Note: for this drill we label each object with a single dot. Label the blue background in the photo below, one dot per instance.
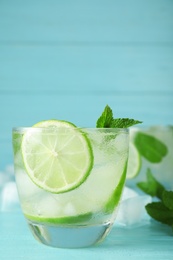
(68, 59)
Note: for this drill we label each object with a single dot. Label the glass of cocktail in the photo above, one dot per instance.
(69, 180)
(151, 149)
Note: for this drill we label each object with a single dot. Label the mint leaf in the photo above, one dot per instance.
(106, 120)
(150, 147)
(124, 122)
(167, 198)
(151, 186)
(160, 212)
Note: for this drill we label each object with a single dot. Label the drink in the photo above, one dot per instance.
(68, 194)
(153, 148)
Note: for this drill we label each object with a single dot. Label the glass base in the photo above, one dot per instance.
(69, 236)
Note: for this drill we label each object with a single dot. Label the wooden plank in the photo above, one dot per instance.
(89, 21)
(23, 110)
(86, 70)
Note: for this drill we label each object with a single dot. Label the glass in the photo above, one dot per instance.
(154, 146)
(82, 216)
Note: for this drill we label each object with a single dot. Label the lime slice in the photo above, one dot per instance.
(56, 160)
(62, 220)
(117, 193)
(134, 162)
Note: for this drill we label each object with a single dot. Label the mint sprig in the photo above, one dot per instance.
(161, 210)
(106, 120)
(167, 198)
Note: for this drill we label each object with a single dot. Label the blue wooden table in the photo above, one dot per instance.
(150, 241)
(67, 60)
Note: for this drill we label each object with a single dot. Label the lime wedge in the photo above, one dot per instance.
(134, 162)
(62, 220)
(57, 155)
(117, 193)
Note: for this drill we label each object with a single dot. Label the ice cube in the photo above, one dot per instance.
(132, 209)
(9, 197)
(42, 204)
(69, 209)
(26, 187)
(9, 169)
(6, 175)
(3, 179)
(120, 143)
(128, 193)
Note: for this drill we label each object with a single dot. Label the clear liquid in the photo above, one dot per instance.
(69, 236)
(79, 217)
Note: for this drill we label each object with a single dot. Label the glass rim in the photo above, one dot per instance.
(47, 129)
